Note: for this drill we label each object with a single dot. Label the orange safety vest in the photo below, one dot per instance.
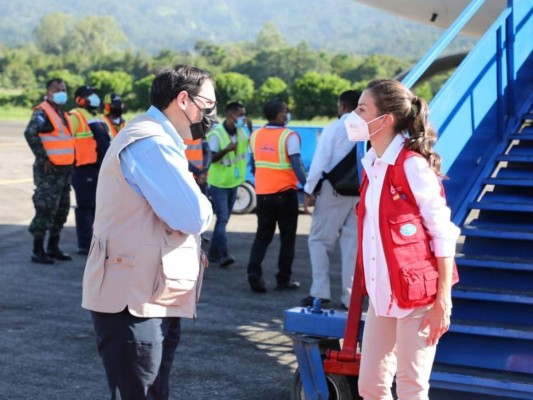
(113, 128)
(58, 144)
(273, 169)
(194, 153)
(84, 139)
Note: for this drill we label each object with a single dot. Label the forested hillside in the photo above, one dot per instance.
(331, 25)
(305, 51)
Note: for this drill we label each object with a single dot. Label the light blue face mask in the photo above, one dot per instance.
(59, 98)
(94, 100)
(289, 116)
(239, 123)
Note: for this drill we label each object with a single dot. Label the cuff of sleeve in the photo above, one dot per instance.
(444, 248)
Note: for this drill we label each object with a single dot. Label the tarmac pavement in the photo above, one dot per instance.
(236, 349)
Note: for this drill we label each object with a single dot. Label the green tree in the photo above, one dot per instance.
(140, 99)
(273, 87)
(106, 81)
(233, 86)
(316, 94)
(52, 33)
(378, 66)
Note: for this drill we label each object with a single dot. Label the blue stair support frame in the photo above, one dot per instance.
(490, 89)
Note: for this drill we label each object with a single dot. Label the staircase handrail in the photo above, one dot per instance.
(445, 39)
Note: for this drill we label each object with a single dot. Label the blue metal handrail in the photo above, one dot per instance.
(450, 33)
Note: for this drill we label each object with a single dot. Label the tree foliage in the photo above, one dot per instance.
(232, 86)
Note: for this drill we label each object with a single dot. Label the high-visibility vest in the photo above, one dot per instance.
(194, 152)
(58, 144)
(273, 169)
(114, 129)
(230, 170)
(83, 137)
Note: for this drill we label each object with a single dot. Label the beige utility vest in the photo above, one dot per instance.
(135, 260)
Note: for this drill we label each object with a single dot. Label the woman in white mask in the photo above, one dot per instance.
(406, 242)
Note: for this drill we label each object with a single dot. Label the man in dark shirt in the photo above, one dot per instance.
(49, 135)
(92, 138)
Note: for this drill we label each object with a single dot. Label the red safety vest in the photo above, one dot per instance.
(58, 144)
(412, 265)
(273, 169)
(84, 139)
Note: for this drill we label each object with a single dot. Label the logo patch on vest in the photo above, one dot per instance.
(408, 230)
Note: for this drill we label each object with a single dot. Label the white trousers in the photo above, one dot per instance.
(333, 217)
(395, 346)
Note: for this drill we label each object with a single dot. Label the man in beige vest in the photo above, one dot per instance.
(144, 268)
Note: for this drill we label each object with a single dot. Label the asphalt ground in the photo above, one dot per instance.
(236, 349)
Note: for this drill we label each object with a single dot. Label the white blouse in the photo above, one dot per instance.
(435, 215)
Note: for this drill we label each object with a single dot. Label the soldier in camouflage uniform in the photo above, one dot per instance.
(49, 135)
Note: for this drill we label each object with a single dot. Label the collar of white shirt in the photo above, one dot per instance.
(390, 155)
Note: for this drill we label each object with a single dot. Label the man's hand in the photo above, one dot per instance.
(202, 178)
(48, 167)
(231, 147)
(309, 201)
(204, 262)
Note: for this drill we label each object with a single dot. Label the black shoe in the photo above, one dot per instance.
(82, 251)
(226, 260)
(41, 258)
(288, 285)
(58, 254)
(344, 307)
(308, 301)
(257, 284)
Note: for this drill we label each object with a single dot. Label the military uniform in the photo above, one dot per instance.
(51, 197)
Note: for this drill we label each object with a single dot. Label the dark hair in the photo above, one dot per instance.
(272, 108)
(52, 81)
(411, 114)
(169, 82)
(234, 106)
(350, 98)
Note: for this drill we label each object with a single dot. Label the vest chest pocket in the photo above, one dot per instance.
(406, 228)
(419, 280)
(177, 277)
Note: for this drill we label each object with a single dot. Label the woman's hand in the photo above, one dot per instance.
(438, 320)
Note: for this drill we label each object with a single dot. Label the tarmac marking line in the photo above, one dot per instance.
(12, 181)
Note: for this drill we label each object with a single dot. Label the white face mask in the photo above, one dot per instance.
(94, 100)
(357, 127)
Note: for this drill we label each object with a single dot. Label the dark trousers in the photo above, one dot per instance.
(281, 209)
(84, 182)
(137, 353)
(51, 200)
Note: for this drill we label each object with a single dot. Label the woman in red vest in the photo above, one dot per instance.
(406, 242)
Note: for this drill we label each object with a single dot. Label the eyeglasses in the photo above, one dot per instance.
(205, 110)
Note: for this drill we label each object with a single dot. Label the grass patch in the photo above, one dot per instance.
(10, 113)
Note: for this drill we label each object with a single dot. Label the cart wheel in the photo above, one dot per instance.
(340, 387)
(246, 200)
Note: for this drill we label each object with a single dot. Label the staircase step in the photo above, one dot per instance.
(501, 385)
(515, 158)
(487, 345)
(525, 136)
(503, 295)
(492, 312)
(501, 206)
(496, 279)
(496, 246)
(501, 231)
(518, 264)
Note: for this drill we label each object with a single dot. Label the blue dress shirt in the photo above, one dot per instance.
(156, 168)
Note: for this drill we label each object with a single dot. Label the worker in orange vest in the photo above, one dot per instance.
(49, 135)
(91, 139)
(278, 169)
(113, 109)
(199, 157)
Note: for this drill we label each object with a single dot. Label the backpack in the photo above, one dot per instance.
(344, 177)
